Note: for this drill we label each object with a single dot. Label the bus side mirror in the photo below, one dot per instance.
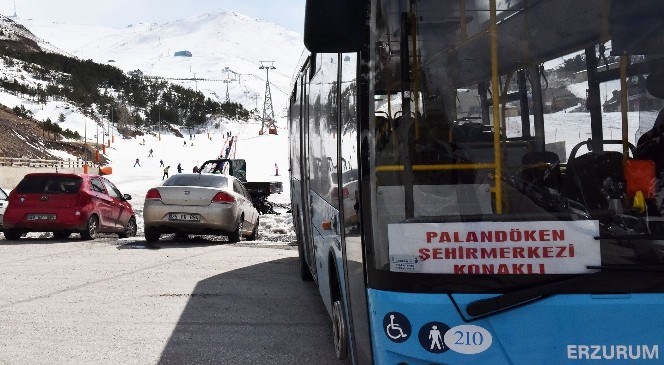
(335, 26)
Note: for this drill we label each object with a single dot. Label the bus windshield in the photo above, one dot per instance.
(540, 158)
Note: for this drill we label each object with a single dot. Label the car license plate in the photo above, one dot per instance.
(183, 217)
(41, 217)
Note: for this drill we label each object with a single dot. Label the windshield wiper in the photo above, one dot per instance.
(626, 237)
(506, 301)
(517, 298)
(640, 268)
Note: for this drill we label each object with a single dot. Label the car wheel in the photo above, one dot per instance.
(152, 235)
(130, 229)
(236, 235)
(13, 234)
(254, 233)
(61, 235)
(91, 228)
(339, 330)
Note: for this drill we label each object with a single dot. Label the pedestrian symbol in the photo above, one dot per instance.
(432, 335)
(436, 338)
(397, 327)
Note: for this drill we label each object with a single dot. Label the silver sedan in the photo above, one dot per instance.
(200, 204)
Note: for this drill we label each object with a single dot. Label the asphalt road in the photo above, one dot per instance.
(117, 302)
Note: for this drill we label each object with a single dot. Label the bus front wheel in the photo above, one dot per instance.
(339, 330)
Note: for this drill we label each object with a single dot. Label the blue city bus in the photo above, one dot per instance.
(482, 181)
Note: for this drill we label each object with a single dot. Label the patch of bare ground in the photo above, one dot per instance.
(24, 138)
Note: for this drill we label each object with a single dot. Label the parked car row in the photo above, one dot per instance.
(65, 203)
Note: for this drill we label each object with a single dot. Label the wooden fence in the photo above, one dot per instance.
(30, 162)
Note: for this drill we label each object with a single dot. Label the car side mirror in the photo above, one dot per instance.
(126, 197)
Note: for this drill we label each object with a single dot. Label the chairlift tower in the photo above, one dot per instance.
(227, 81)
(268, 111)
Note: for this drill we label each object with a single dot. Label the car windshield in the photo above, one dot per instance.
(49, 184)
(204, 180)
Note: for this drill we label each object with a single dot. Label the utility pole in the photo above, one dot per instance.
(108, 124)
(112, 135)
(103, 134)
(268, 111)
(159, 119)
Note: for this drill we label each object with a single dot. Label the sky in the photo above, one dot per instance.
(121, 13)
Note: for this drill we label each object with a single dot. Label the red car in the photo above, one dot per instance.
(66, 204)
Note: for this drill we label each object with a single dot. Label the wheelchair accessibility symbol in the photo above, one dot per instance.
(396, 326)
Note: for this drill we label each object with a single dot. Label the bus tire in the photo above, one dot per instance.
(339, 330)
(305, 274)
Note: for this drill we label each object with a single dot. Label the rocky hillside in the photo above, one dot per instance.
(16, 36)
(23, 138)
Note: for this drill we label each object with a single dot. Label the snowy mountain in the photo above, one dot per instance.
(226, 49)
(16, 35)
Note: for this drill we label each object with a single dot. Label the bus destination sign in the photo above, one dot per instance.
(544, 247)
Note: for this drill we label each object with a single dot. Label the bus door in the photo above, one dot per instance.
(348, 169)
(305, 212)
(323, 163)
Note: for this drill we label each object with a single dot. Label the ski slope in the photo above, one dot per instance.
(260, 152)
